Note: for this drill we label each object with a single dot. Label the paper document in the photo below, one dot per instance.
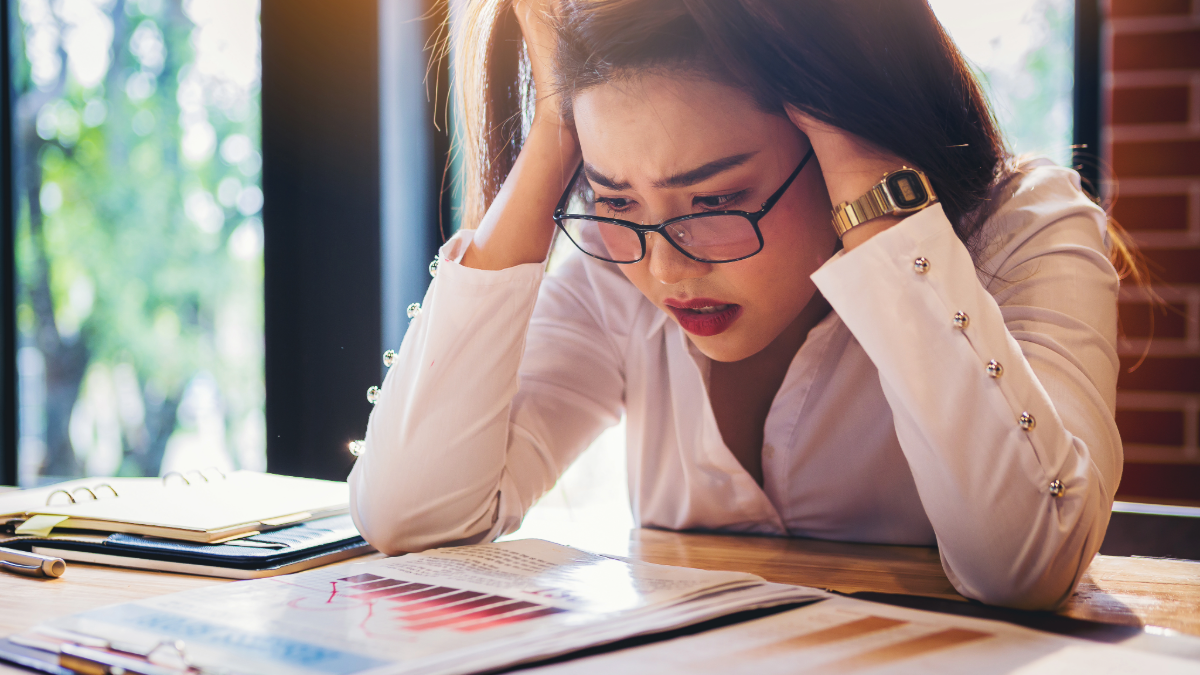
(454, 610)
(843, 636)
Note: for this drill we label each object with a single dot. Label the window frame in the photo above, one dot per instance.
(9, 405)
(341, 262)
(1087, 97)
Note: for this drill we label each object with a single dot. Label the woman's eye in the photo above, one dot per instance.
(615, 203)
(719, 201)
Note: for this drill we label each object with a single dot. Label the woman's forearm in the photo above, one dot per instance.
(436, 443)
(484, 407)
(519, 227)
(1016, 463)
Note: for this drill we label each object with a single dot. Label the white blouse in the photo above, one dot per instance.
(889, 426)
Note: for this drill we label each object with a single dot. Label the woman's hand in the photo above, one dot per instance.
(518, 227)
(851, 165)
(535, 17)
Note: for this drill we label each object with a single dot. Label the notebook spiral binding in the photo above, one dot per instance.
(96, 488)
(184, 474)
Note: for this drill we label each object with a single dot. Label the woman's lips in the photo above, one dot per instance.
(704, 317)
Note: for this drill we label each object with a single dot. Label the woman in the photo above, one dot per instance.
(936, 365)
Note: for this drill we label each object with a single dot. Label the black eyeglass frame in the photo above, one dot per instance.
(642, 230)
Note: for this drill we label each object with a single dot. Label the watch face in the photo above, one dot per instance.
(906, 189)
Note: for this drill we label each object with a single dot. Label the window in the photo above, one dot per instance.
(137, 199)
(1023, 53)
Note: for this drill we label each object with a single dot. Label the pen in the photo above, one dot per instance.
(31, 564)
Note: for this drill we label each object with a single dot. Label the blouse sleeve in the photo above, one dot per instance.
(495, 390)
(1005, 415)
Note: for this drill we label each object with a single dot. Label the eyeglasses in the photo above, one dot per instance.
(709, 237)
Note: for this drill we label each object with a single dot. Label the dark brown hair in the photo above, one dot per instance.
(884, 70)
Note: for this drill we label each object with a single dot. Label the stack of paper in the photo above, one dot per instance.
(455, 610)
(206, 510)
(238, 525)
(843, 635)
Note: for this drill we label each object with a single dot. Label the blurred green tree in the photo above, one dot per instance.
(1023, 53)
(138, 240)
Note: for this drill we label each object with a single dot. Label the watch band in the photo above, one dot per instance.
(874, 204)
(879, 200)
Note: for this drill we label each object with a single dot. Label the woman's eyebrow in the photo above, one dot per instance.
(682, 179)
(602, 180)
(704, 171)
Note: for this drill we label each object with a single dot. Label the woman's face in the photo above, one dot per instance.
(658, 147)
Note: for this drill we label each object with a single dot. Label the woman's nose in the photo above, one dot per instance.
(668, 265)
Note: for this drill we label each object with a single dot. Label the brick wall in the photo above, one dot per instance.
(1151, 139)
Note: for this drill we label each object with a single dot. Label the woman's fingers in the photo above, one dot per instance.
(807, 123)
(851, 164)
(536, 20)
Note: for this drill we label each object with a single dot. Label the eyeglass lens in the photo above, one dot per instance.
(711, 238)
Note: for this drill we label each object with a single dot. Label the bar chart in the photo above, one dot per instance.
(423, 607)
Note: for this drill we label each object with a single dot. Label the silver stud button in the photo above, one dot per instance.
(389, 358)
(961, 320)
(1057, 489)
(1026, 421)
(413, 310)
(357, 448)
(994, 368)
(373, 395)
(433, 266)
(921, 265)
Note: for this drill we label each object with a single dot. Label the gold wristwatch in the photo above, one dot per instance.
(900, 192)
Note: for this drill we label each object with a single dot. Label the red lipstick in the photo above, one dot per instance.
(704, 317)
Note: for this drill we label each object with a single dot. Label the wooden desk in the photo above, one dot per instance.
(1129, 591)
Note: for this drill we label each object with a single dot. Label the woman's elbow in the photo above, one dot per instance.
(1041, 577)
(397, 536)
(1046, 592)
(398, 542)
(394, 525)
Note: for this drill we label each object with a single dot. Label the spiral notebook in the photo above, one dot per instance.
(201, 507)
(289, 549)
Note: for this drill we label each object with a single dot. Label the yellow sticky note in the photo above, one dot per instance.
(40, 526)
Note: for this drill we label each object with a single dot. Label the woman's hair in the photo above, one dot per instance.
(884, 70)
